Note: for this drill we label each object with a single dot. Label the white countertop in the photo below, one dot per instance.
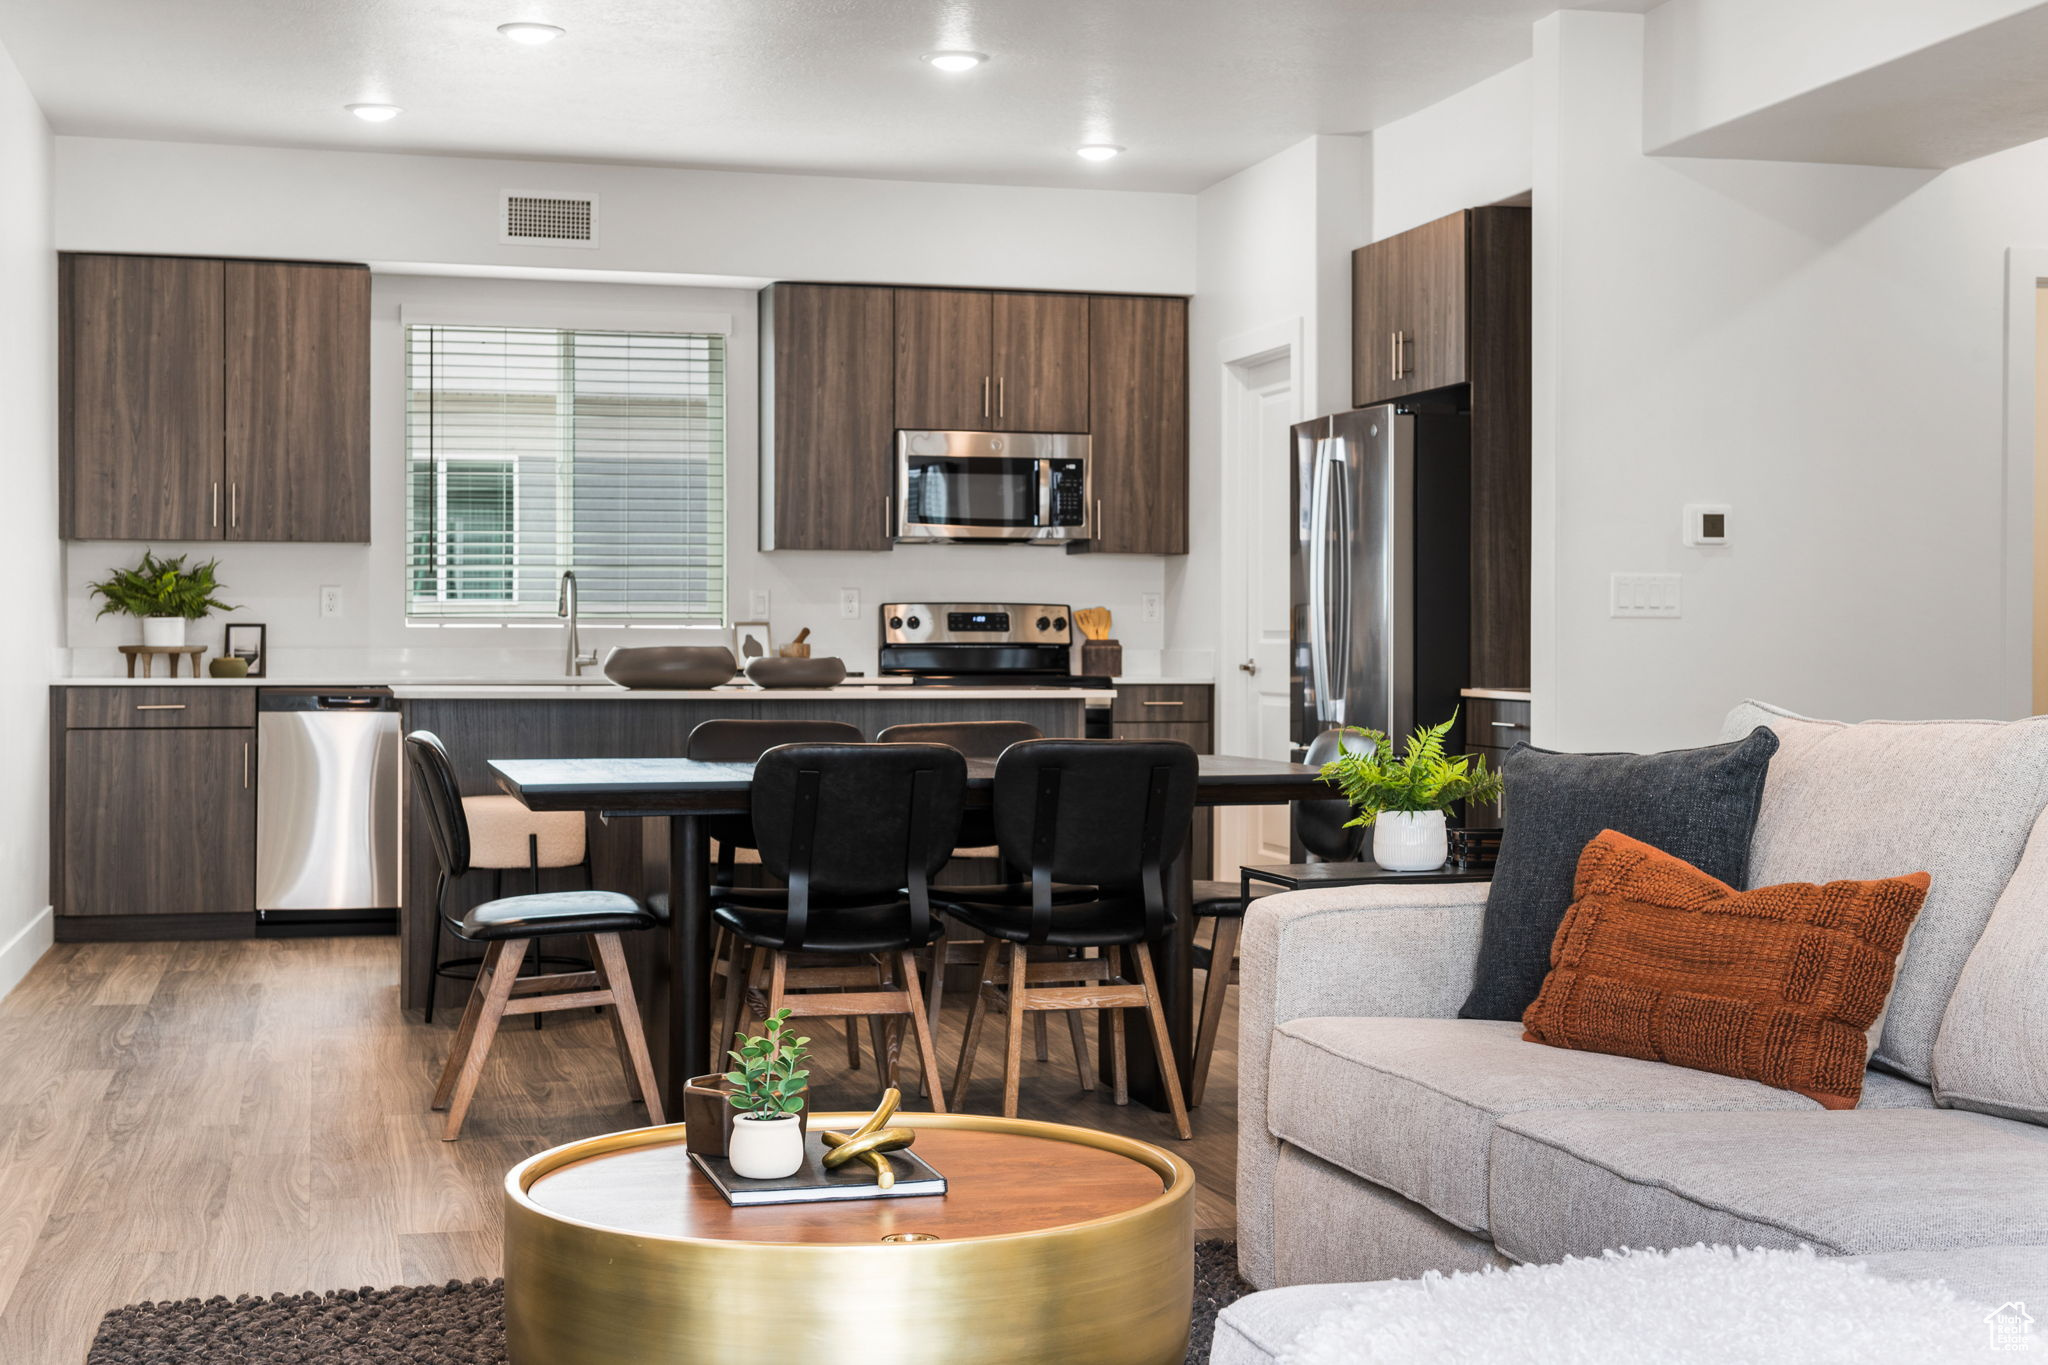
(852, 690)
(1167, 680)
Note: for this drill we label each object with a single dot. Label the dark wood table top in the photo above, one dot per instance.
(1306, 876)
(655, 786)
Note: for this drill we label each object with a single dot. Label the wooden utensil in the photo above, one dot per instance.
(1094, 622)
(797, 649)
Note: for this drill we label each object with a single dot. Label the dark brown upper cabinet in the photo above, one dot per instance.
(944, 381)
(1040, 361)
(1408, 312)
(298, 402)
(828, 402)
(1138, 400)
(139, 433)
(213, 400)
(970, 360)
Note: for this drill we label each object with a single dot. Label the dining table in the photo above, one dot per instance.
(687, 791)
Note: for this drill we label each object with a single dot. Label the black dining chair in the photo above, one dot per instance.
(984, 740)
(1322, 828)
(505, 928)
(1096, 823)
(857, 832)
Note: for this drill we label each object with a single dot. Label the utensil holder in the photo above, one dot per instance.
(1102, 658)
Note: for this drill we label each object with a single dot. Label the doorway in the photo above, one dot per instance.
(1261, 402)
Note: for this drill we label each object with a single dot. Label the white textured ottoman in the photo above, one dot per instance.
(1696, 1306)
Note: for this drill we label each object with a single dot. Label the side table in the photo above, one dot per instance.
(148, 654)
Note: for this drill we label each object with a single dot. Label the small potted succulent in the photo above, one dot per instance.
(768, 1089)
(1404, 798)
(165, 594)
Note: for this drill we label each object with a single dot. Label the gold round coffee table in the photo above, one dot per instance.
(1051, 1244)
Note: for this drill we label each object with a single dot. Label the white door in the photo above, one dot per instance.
(1261, 407)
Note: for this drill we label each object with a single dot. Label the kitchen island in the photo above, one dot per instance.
(483, 721)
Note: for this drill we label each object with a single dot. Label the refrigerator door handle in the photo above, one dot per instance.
(1327, 610)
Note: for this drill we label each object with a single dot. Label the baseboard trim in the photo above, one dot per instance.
(153, 928)
(25, 949)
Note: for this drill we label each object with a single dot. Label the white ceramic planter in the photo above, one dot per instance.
(766, 1149)
(1410, 840)
(163, 632)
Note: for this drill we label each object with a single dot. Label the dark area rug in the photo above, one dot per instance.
(449, 1324)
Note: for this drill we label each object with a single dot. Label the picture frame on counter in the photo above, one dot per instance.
(248, 641)
(751, 640)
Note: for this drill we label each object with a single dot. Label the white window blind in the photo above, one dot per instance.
(530, 451)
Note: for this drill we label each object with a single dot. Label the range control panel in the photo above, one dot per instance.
(976, 623)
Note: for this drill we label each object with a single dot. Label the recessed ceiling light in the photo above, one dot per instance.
(956, 61)
(1097, 151)
(533, 35)
(375, 113)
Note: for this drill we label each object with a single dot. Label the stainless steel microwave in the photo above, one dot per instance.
(993, 485)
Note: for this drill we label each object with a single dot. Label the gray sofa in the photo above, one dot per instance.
(1382, 1137)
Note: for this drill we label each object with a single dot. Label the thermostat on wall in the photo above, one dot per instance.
(1706, 523)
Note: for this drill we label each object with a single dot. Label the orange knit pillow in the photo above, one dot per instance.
(1655, 959)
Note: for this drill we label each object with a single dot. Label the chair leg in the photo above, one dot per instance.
(1013, 1050)
(1222, 952)
(739, 971)
(852, 1027)
(935, 994)
(1079, 1034)
(496, 994)
(1113, 961)
(458, 1048)
(878, 1034)
(610, 960)
(1162, 1047)
(440, 913)
(927, 1047)
(1041, 1038)
(970, 1041)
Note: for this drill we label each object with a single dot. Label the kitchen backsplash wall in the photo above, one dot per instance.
(280, 585)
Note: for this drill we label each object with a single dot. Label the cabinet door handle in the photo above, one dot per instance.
(888, 517)
(216, 503)
(1098, 519)
(1393, 355)
(245, 765)
(234, 504)
(984, 395)
(161, 706)
(999, 396)
(1510, 725)
(1165, 703)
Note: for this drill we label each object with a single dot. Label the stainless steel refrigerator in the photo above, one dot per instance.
(1382, 551)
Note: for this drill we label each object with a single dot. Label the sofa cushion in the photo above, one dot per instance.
(1657, 960)
(1695, 804)
(1956, 799)
(1410, 1104)
(1986, 1274)
(1992, 1052)
(1576, 1183)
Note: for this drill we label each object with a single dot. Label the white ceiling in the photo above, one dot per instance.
(1196, 89)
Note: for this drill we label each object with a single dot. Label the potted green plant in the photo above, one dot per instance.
(1403, 799)
(164, 593)
(768, 1090)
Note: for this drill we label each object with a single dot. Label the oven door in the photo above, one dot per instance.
(976, 485)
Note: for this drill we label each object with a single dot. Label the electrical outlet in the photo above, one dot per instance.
(1642, 594)
(330, 601)
(849, 603)
(757, 604)
(1150, 607)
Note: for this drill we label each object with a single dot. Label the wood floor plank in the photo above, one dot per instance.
(250, 1116)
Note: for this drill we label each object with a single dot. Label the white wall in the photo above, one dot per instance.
(1819, 346)
(119, 195)
(279, 584)
(28, 522)
(1459, 153)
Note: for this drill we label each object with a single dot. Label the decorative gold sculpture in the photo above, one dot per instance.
(870, 1140)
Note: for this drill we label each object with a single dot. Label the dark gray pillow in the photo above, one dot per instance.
(1695, 804)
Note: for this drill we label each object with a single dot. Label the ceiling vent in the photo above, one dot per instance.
(549, 219)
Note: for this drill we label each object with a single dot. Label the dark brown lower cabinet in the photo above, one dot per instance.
(157, 834)
(1172, 711)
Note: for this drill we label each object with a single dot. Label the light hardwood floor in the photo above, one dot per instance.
(249, 1117)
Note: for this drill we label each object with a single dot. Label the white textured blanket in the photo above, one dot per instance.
(1697, 1306)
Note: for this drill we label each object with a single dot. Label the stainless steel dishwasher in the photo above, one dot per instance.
(327, 794)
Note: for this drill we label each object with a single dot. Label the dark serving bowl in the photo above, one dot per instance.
(679, 666)
(779, 672)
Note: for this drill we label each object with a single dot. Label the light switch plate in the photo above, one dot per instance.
(330, 601)
(1643, 595)
(849, 603)
(757, 604)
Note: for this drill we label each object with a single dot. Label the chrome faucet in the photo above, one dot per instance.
(565, 606)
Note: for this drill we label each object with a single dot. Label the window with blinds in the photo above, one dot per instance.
(530, 451)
